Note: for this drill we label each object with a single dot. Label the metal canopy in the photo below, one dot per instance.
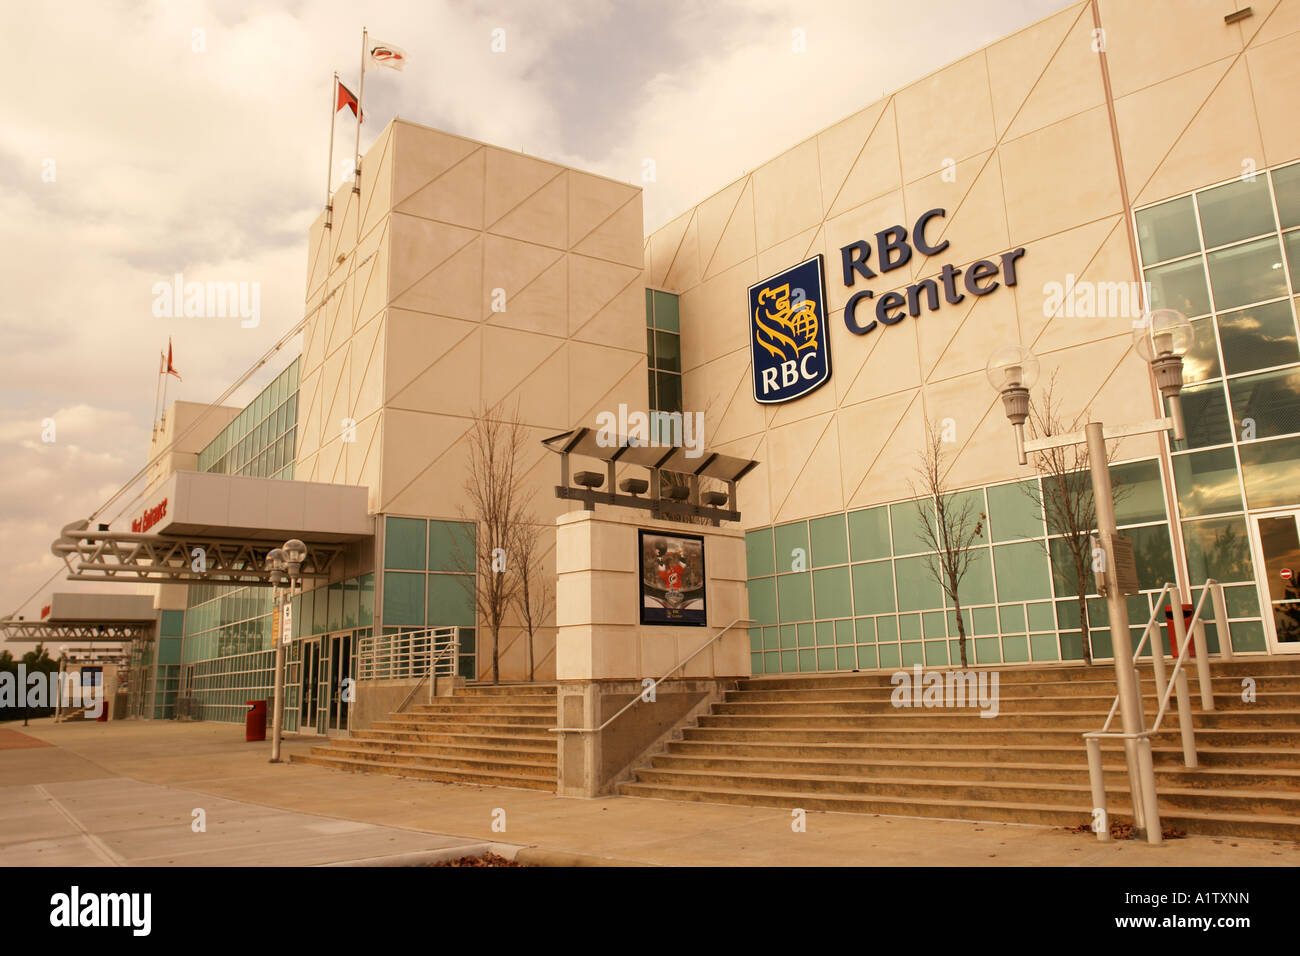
(673, 489)
(132, 558)
(27, 632)
(629, 450)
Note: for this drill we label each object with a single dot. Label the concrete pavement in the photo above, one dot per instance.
(125, 792)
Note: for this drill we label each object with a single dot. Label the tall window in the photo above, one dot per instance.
(663, 351)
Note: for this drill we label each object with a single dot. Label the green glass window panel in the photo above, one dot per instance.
(807, 634)
(1041, 617)
(668, 352)
(650, 391)
(1139, 608)
(832, 592)
(1042, 647)
(866, 630)
(351, 601)
(873, 588)
(451, 545)
(1286, 187)
(988, 650)
(825, 633)
(1072, 647)
(649, 308)
(1015, 650)
(650, 348)
(794, 597)
(909, 626)
(1168, 230)
(403, 598)
(771, 638)
(172, 624)
(844, 632)
(952, 623)
(1014, 511)
(1250, 272)
(1242, 601)
(970, 506)
(1011, 618)
(762, 600)
(1181, 286)
(1207, 482)
(1022, 571)
(889, 655)
(666, 317)
(758, 553)
(335, 617)
(846, 658)
(909, 521)
(934, 625)
(887, 628)
(789, 635)
(1262, 336)
(913, 653)
(789, 662)
(772, 662)
(756, 664)
(1064, 569)
(1291, 241)
(1235, 211)
(1270, 401)
(321, 612)
(867, 659)
(1269, 471)
(366, 602)
(869, 534)
(404, 544)
(451, 600)
(668, 392)
(917, 588)
(1247, 636)
(985, 620)
(830, 543)
(1153, 554)
(792, 546)
(936, 653)
(1205, 413)
(1218, 548)
(303, 612)
(826, 659)
(977, 585)
(1139, 492)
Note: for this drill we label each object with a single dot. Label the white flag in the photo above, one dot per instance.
(389, 55)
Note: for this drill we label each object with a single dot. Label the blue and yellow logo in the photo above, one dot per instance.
(787, 336)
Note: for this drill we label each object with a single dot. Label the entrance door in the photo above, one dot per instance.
(309, 682)
(1278, 539)
(340, 670)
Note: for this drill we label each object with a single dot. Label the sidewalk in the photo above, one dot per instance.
(124, 793)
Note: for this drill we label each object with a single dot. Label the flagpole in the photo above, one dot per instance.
(157, 391)
(329, 172)
(361, 94)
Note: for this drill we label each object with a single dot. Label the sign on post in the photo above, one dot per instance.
(286, 624)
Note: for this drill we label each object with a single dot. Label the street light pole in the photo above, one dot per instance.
(292, 555)
(1162, 338)
(276, 562)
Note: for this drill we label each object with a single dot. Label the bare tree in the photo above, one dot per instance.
(1066, 497)
(950, 524)
(534, 596)
(494, 487)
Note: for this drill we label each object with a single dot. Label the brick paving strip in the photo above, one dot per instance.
(15, 740)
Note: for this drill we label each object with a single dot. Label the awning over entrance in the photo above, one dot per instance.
(197, 527)
(89, 618)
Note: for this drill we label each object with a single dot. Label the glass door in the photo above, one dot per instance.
(340, 680)
(309, 681)
(1278, 538)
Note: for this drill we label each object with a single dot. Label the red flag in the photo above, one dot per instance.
(343, 97)
(171, 369)
(45, 612)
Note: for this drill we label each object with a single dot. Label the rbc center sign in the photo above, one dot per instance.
(788, 338)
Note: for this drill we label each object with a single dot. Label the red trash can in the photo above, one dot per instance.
(103, 711)
(255, 721)
(1187, 623)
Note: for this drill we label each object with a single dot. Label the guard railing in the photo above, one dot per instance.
(1186, 636)
(421, 653)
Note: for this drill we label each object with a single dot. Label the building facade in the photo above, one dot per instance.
(1046, 190)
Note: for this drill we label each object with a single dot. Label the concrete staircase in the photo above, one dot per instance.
(491, 735)
(835, 742)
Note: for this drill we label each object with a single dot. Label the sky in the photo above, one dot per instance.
(152, 138)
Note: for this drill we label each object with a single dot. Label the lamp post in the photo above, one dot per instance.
(1162, 338)
(276, 564)
(292, 554)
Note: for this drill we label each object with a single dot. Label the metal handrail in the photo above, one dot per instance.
(1186, 636)
(428, 652)
(676, 667)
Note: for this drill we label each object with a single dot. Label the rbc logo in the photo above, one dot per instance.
(787, 334)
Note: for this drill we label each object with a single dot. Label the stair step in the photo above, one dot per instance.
(461, 776)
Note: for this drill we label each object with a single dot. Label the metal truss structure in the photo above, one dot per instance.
(129, 557)
(64, 632)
